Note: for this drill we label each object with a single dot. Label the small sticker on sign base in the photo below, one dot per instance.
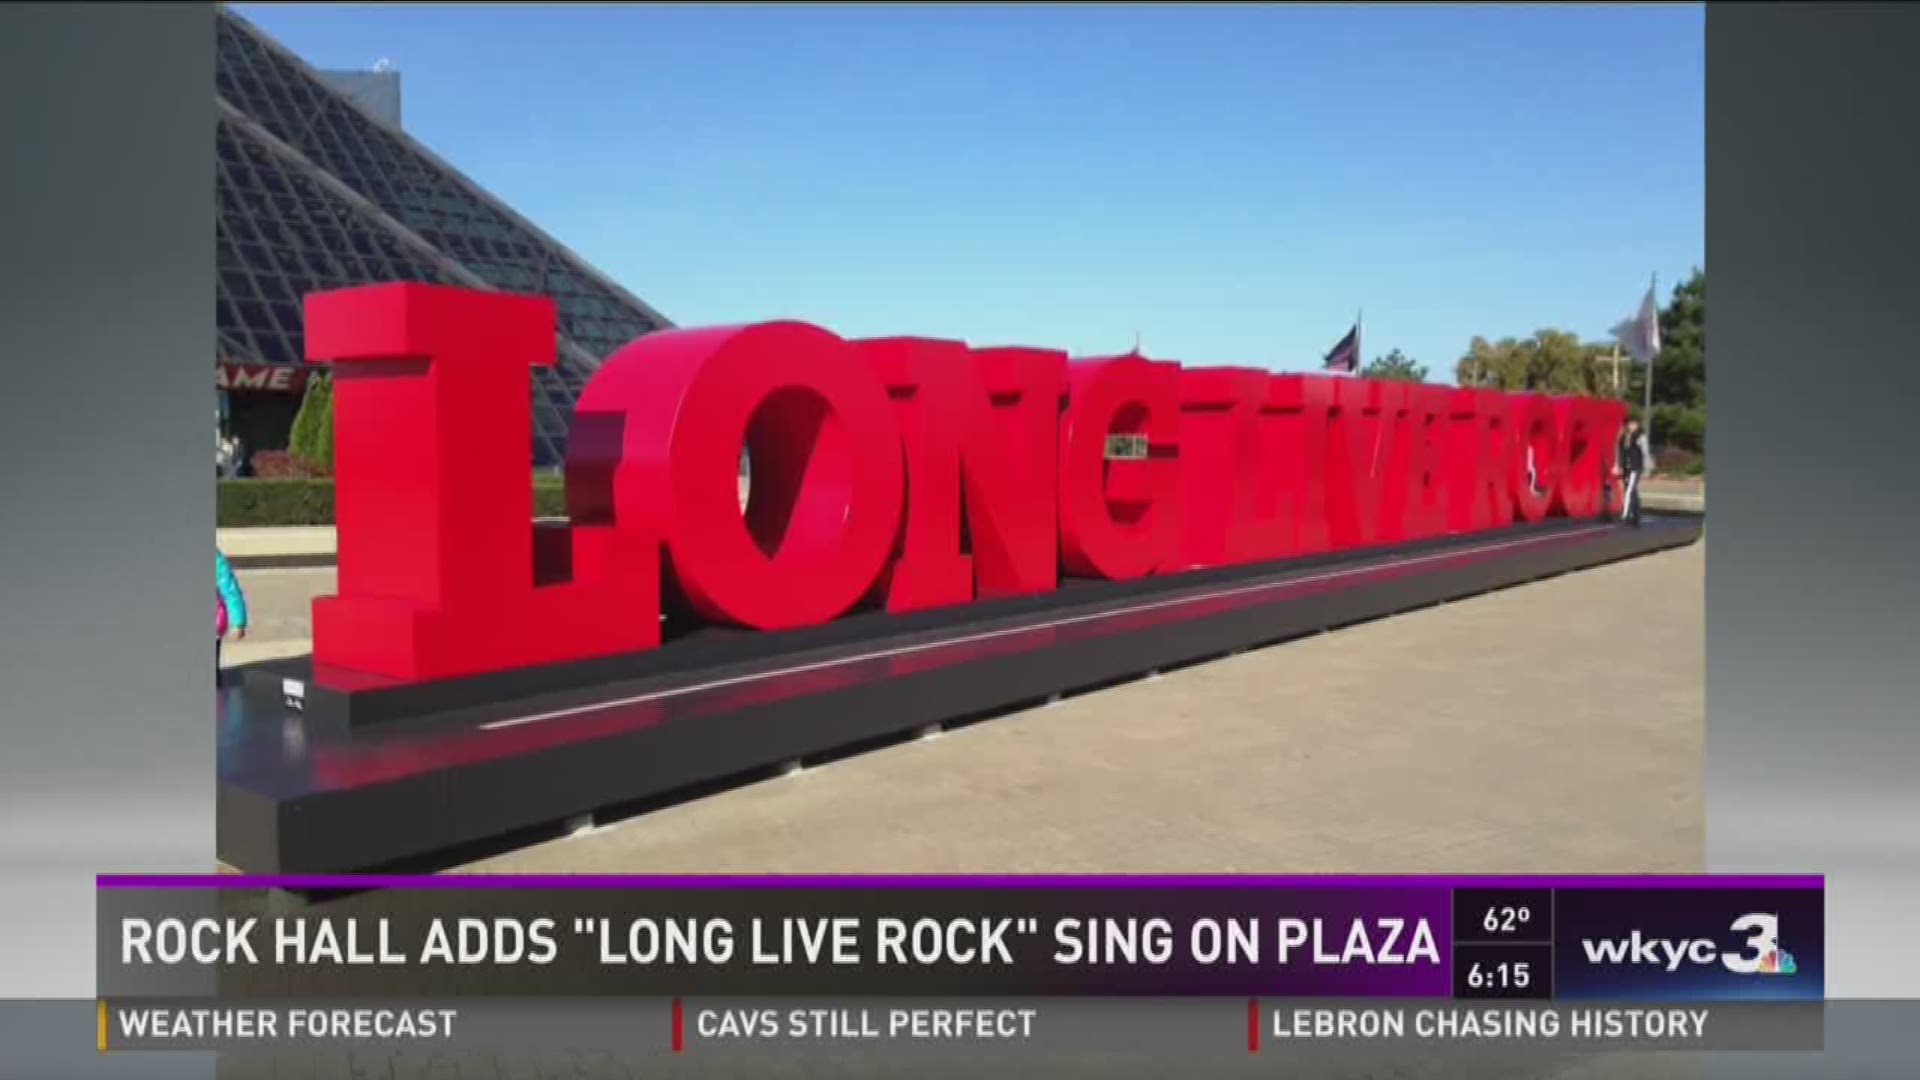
(294, 693)
(1126, 448)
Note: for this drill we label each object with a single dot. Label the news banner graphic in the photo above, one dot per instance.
(1188, 966)
(935, 532)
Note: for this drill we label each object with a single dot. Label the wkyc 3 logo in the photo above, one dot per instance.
(1760, 953)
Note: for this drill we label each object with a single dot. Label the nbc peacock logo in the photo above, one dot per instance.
(1777, 961)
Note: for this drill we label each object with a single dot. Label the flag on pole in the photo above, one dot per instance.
(1345, 355)
(1640, 335)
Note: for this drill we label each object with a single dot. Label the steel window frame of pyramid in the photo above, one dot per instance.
(314, 192)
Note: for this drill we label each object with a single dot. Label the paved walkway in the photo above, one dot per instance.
(1553, 727)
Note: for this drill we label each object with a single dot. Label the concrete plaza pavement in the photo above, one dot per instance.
(1553, 727)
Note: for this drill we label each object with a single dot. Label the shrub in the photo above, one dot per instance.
(1681, 426)
(259, 503)
(1675, 461)
(283, 465)
(549, 496)
(311, 440)
(290, 499)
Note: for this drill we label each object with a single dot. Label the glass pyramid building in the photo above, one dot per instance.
(317, 193)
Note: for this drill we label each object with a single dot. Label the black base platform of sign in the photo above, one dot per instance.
(319, 783)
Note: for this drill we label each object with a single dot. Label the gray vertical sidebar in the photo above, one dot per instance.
(1813, 587)
(106, 418)
(1813, 596)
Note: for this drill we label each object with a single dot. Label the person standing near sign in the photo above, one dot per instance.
(230, 607)
(1630, 466)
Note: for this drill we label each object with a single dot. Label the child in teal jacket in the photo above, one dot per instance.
(230, 607)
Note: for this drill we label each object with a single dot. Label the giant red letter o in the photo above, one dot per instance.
(826, 478)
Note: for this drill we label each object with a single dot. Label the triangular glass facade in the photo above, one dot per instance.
(315, 193)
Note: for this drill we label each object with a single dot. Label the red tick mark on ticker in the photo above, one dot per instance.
(679, 1026)
(1253, 1025)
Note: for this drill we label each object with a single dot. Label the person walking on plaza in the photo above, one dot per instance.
(230, 608)
(1630, 465)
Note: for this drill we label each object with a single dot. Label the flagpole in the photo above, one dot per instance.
(1380, 425)
(1647, 409)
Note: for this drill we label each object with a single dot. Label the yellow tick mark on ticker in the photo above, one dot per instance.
(103, 1025)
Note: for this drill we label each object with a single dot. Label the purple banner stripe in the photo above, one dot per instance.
(315, 882)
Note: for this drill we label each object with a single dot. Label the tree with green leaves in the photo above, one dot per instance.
(1680, 371)
(1558, 362)
(1396, 367)
(1551, 361)
(311, 440)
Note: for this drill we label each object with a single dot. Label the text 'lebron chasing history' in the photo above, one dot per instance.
(909, 472)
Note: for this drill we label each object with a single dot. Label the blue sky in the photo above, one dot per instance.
(1233, 182)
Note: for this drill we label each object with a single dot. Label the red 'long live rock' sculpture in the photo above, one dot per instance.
(905, 472)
